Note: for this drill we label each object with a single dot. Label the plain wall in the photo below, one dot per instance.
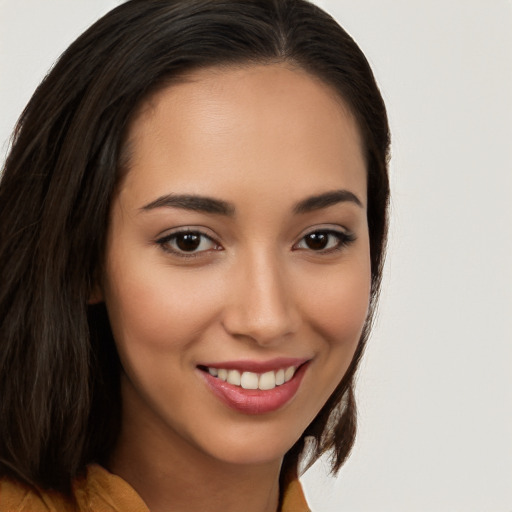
(435, 387)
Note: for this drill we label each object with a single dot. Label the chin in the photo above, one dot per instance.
(252, 447)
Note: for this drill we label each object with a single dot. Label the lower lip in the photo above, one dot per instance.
(255, 401)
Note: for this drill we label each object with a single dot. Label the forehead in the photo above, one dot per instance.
(251, 123)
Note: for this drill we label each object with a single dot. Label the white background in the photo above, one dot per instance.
(435, 388)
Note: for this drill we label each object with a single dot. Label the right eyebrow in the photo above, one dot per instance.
(192, 202)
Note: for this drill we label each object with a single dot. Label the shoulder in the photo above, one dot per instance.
(102, 491)
(97, 491)
(293, 498)
(16, 496)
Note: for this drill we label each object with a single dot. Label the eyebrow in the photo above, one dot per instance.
(192, 202)
(207, 204)
(325, 200)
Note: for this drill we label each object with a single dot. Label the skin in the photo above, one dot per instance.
(262, 138)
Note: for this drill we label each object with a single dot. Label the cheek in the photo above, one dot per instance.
(335, 310)
(338, 306)
(159, 310)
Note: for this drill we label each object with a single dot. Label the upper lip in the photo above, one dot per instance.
(246, 365)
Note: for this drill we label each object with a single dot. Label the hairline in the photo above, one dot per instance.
(146, 104)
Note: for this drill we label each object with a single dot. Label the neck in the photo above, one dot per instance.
(173, 475)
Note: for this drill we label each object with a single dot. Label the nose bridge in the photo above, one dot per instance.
(263, 306)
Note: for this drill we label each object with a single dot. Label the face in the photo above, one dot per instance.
(237, 272)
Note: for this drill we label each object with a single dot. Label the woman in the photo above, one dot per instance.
(186, 299)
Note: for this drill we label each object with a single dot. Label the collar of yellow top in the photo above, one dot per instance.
(102, 491)
(105, 492)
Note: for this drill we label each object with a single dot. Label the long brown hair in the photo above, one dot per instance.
(59, 371)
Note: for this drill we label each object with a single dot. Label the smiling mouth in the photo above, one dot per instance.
(267, 388)
(251, 380)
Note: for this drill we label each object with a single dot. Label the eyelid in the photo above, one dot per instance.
(333, 228)
(163, 241)
(186, 228)
(344, 236)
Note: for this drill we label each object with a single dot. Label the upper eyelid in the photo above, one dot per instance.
(186, 229)
(169, 235)
(328, 228)
(206, 232)
(333, 232)
(345, 236)
(164, 243)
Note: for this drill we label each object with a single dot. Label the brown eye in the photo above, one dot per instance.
(317, 241)
(188, 242)
(185, 243)
(325, 240)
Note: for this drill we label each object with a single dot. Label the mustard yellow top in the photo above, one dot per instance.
(101, 491)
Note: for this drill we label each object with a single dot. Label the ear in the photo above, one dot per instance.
(96, 295)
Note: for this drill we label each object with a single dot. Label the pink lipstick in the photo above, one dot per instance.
(253, 387)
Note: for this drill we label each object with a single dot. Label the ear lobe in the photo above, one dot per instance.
(96, 295)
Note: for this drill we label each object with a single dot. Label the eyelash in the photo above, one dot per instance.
(166, 240)
(343, 240)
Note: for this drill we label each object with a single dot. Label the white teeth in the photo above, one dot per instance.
(289, 373)
(250, 380)
(267, 381)
(234, 377)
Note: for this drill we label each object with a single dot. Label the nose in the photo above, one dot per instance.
(262, 305)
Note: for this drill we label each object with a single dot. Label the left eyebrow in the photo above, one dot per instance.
(325, 200)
